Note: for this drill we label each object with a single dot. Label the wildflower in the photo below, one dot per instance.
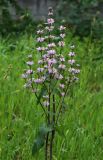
(30, 63)
(38, 81)
(28, 84)
(50, 21)
(51, 52)
(63, 94)
(40, 32)
(46, 103)
(29, 71)
(52, 70)
(62, 59)
(62, 35)
(40, 69)
(51, 37)
(24, 76)
(58, 76)
(43, 78)
(61, 43)
(62, 28)
(52, 61)
(77, 71)
(40, 39)
(72, 46)
(62, 66)
(50, 13)
(74, 71)
(71, 61)
(62, 86)
(50, 45)
(71, 54)
(41, 49)
(49, 28)
(40, 61)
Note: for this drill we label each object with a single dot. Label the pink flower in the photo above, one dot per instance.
(74, 71)
(62, 59)
(77, 71)
(63, 94)
(50, 21)
(30, 63)
(58, 76)
(52, 70)
(40, 32)
(50, 45)
(71, 54)
(40, 69)
(62, 28)
(45, 56)
(39, 49)
(62, 66)
(62, 35)
(71, 61)
(51, 52)
(52, 61)
(61, 43)
(38, 81)
(29, 71)
(62, 86)
(40, 39)
(40, 62)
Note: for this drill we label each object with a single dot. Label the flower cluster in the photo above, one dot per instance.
(56, 70)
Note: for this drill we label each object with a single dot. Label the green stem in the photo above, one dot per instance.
(46, 146)
(53, 131)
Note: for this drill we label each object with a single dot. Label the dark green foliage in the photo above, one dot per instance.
(83, 16)
(82, 124)
(40, 138)
(10, 24)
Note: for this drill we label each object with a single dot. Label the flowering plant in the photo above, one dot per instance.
(51, 81)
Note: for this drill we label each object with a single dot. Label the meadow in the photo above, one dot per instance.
(81, 132)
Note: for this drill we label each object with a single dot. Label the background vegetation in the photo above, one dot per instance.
(81, 134)
(84, 17)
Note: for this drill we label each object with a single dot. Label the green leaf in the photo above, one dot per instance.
(44, 130)
(40, 138)
(38, 144)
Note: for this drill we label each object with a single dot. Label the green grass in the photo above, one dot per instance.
(82, 123)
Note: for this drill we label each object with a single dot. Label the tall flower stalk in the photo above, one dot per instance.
(50, 82)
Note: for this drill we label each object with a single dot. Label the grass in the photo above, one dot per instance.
(82, 123)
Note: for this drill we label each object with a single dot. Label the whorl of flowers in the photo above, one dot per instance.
(50, 82)
(56, 70)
